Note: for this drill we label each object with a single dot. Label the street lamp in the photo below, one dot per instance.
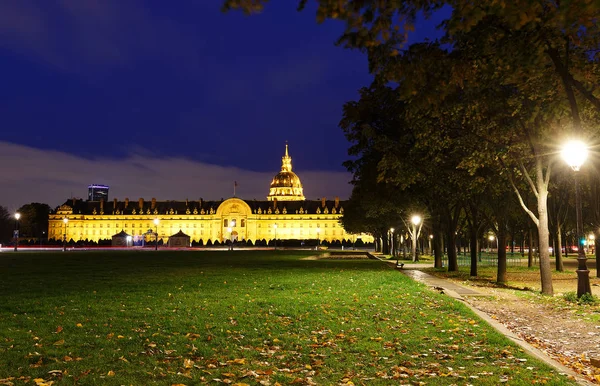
(318, 237)
(416, 220)
(275, 227)
(128, 240)
(575, 153)
(17, 217)
(66, 221)
(392, 241)
(156, 221)
(231, 238)
(591, 243)
(492, 238)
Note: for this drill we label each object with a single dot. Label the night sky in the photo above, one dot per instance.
(171, 100)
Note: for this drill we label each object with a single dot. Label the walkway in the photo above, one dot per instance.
(460, 292)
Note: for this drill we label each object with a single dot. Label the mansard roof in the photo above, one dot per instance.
(80, 206)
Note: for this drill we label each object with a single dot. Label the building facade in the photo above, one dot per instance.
(284, 215)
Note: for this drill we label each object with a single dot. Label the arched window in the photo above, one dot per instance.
(225, 223)
(243, 223)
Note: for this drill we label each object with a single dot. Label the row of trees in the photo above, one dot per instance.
(468, 127)
(32, 224)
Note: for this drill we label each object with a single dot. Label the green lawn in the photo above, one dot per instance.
(241, 317)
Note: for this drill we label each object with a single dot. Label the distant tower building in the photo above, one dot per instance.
(97, 192)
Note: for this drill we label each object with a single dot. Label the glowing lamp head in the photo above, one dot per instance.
(17, 215)
(156, 221)
(318, 230)
(392, 230)
(65, 220)
(491, 237)
(416, 219)
(275, 226)
(574, 153)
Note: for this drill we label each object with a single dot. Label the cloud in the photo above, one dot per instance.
(35, 175)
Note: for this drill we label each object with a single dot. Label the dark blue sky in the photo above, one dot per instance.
(105, 80)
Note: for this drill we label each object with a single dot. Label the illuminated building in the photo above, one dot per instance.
(97, 192)
(285, 213)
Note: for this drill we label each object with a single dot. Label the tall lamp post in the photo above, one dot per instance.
(156, 221)
(392, 241)
(230, 238)
(575, 154)
(17, 217)
(66, 221)
(275, 228)
(416, 220)
(318, 237)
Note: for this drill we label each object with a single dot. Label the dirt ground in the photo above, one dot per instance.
(566, 331)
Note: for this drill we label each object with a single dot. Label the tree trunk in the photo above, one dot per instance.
(501, 276)
(437, 246)
(451, 245)
(558, 251)
(474, 248)
(543, 244)
(530, 253)
(596, 245)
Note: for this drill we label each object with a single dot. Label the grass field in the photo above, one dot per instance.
(241, 317)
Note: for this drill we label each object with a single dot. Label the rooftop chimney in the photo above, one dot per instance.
(337, 202)
(141, 203)
(153, 203)
(126, 202)
(323, 202)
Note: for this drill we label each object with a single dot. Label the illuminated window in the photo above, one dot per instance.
(225, 223)
(243, 223)
(233, 222)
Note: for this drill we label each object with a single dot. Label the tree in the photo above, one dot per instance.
(34, 220)
(7, 223)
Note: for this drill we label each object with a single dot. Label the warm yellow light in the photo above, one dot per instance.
(229, 229)
(17, 215)
(318, 230)
(392, 230)
(275, 226)
(591, 236)
(430, 236)
(574, 153)
(491, 237)
(156, 221)
(416, 219)
(65, 220)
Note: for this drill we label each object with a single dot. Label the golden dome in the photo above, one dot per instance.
(286, 185)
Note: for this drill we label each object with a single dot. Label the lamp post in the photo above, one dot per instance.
(66, 221)
(230, 238)
(156, 221)
(491, 239)
(17, 217)
(430, 248)
(275, 228)
(575, 153)
(416, 220)
(591, 243)
(318, 237)
(392, 241)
